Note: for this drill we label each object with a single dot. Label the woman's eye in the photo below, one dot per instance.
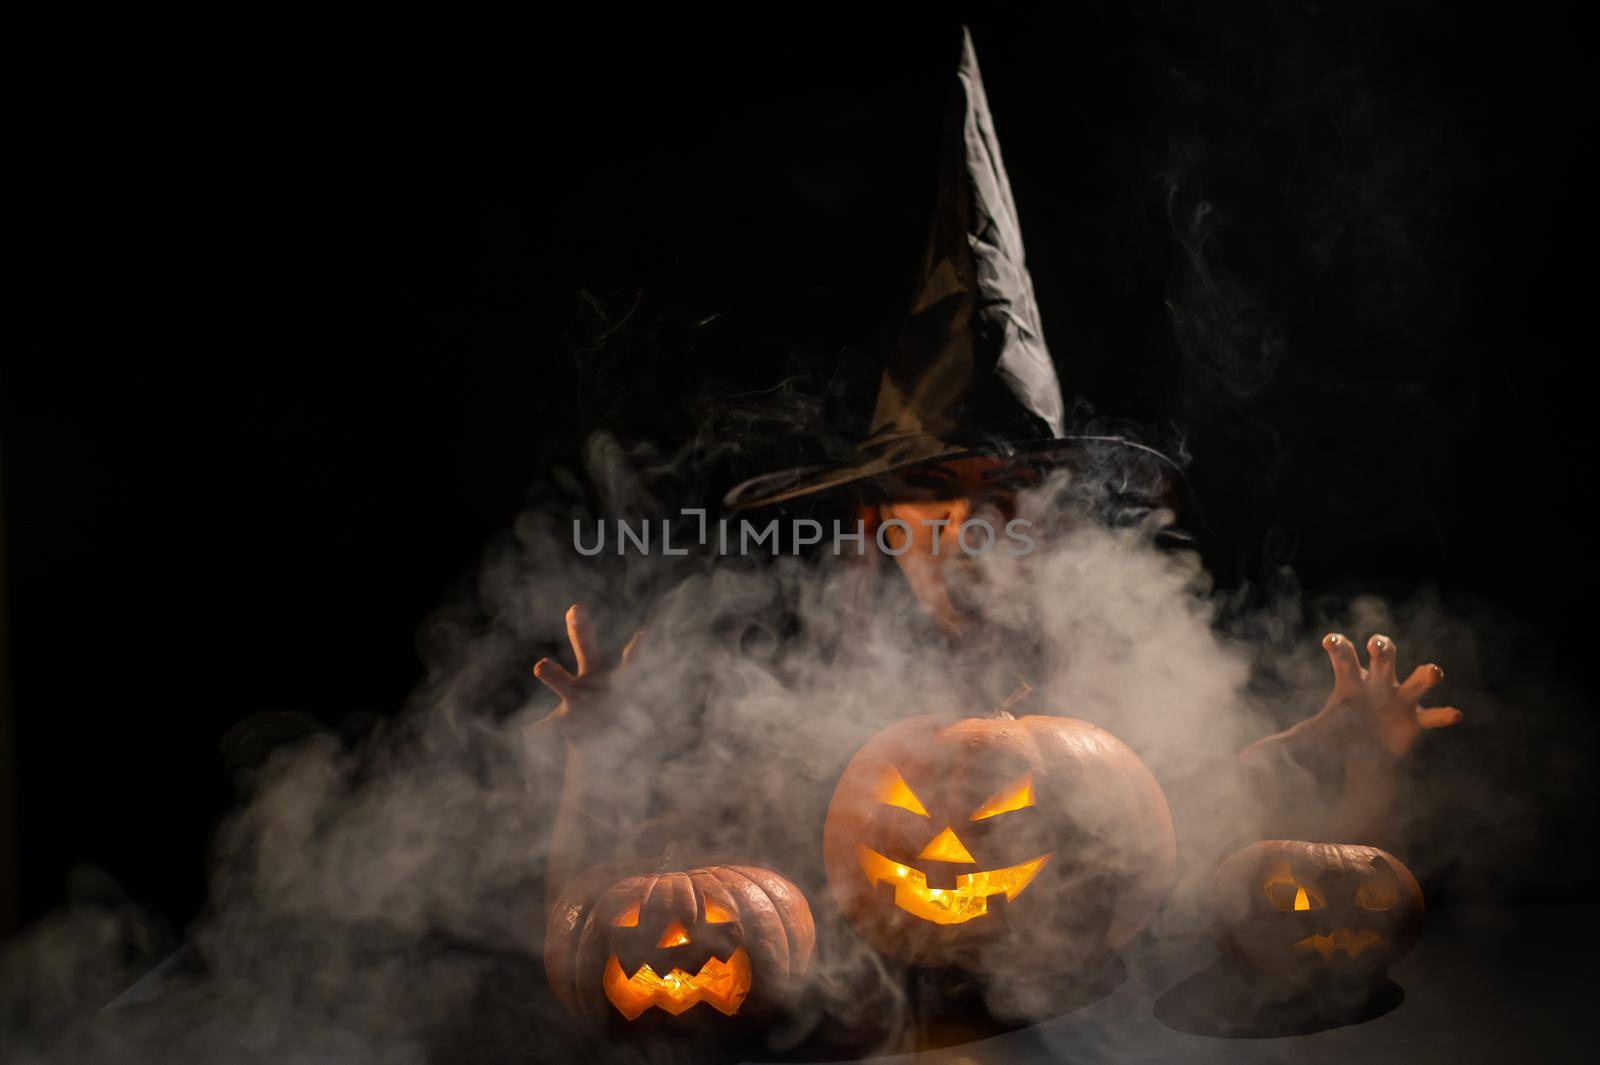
(925, 482)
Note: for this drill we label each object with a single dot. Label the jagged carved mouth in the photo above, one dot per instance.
(720, 984)
(968, 899)
(1351, 942)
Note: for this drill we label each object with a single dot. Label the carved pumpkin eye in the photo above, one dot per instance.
(674, 936)
(1288, 895)
(716, 914)
(894, 791)
(1377, 895)
(1017, 795)
(628, 918)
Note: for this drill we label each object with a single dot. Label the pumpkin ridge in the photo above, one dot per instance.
(594, 947)
(697, 893)
(702, 898)
(644, 897)
(771, 913)
(793, 934)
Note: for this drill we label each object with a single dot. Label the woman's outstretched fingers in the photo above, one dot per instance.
(632, 647)
(551, 674)
(580, 633)
(1347, 671)
(1438, 717)
(1422, 678)
(1380, 650)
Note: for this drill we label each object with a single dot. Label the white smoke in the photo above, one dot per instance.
(384, 900)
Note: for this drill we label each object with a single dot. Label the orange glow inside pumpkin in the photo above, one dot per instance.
(893, 790)
(629, 918)
(720, 984)
(716, 914)
(946, 847)
(968, 899)
(1018, 795)
(1288, 895)
(1352, 943)
(675, 935)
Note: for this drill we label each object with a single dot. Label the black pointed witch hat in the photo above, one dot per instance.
(969, 373)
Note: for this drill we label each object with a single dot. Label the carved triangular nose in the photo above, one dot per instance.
(675, 936)
(945, 847)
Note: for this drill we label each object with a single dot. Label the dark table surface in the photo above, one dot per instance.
(1483, 985)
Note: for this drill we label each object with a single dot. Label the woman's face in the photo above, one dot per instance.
(934, 502)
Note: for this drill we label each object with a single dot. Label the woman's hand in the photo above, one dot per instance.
(594, 814)
(1371, 704)
(1339, 775)
(583, 713)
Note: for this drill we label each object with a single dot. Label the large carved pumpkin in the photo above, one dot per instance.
(1306, 911)
(686, 949)
(996, 843)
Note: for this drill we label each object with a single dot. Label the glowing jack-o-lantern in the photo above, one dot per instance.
(1305, 911)
(997, 842)
(714, 941)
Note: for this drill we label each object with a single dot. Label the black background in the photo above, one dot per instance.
(300, 325)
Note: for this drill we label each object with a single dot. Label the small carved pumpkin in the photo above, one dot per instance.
(688, 948)
(998, 843)
(1309, 911)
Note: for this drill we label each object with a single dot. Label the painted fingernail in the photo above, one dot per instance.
(1438, 672)
(1332, 638)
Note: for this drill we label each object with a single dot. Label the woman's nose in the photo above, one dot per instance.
(956, 512)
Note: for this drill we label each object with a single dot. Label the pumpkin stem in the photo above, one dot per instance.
(1003, 711)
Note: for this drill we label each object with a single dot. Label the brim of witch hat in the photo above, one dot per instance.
(1139, 463)
(969, 374)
